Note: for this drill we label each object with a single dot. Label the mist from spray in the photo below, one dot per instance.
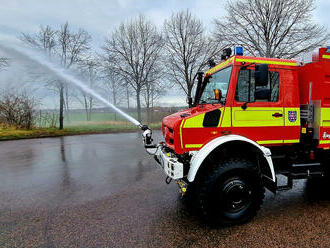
(66, 76)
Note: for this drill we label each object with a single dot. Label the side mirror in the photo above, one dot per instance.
(217, 94)
(261, 75)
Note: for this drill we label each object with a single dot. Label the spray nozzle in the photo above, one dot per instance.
(147, 137)
(144, 127)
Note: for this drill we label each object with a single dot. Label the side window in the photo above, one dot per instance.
(245, 86)
(247, 91)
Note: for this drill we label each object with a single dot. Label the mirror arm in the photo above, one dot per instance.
(244, 106)
(245, 66)
(199, 87)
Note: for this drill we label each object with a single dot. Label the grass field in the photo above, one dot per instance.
(76, 124)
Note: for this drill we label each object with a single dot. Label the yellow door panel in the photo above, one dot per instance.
(325, 117)
(257, 117)
(195, 122)
(226, 118)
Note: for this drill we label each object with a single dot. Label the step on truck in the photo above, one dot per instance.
(252, 119)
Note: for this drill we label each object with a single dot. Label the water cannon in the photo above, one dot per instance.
(147, 137)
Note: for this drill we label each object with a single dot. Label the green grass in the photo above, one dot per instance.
(10, 133)
(76, 123)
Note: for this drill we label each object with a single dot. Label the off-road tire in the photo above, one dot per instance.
(230, 193)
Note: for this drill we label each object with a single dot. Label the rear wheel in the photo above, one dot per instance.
(230, 194)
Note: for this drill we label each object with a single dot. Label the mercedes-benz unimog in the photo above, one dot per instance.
(252, 119)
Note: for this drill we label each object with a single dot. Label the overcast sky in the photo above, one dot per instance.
(99, 17)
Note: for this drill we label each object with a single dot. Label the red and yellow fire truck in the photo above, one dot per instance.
(252, 119)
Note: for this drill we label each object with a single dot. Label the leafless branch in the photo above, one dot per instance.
(187, 49)
(68, 47)
(4, 62)
(17, 109)
(135, 49)
(271, 28)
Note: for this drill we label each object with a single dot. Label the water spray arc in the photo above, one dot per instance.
(66, 76)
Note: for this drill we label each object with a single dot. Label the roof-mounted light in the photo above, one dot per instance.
(226, 53)
(328, 49)
(239, 51)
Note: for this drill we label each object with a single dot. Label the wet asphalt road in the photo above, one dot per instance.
(105, 191)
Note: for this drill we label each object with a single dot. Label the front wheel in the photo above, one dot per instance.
(230, 194)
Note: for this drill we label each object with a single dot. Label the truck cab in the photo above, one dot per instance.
(252, 119)
(268, 113)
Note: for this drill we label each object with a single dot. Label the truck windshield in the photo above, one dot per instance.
(217, 81)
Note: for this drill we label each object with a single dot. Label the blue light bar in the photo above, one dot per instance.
(328, 49)
(239, 51)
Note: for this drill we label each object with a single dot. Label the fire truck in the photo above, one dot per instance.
(252, 120)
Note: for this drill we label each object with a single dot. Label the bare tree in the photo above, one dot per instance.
(3, 62)
(271, 28)
(113, 82)
(69, 47)
(127, 93)
(151, 93)
(89, 69)
(187, 49)
(45, 39)
(135, 48)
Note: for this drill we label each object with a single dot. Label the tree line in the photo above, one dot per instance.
(140, 61)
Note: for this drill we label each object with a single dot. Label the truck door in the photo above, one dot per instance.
(258, 111)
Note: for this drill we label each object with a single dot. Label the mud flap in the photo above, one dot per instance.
(269, 184)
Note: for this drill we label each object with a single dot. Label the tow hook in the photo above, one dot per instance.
(183, 187)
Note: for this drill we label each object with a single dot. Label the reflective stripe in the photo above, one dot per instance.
(220, 66)
(194, 122)
(181, 133)
(270, 62)
(324, 141)
(325, 117)
(193, 145)
(292, 141)
(326, 56)
(261, 142)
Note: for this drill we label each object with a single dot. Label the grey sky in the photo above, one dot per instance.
(99, 17)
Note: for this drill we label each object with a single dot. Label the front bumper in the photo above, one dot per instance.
(170, 164)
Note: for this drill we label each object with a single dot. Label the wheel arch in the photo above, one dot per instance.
(232, 145)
